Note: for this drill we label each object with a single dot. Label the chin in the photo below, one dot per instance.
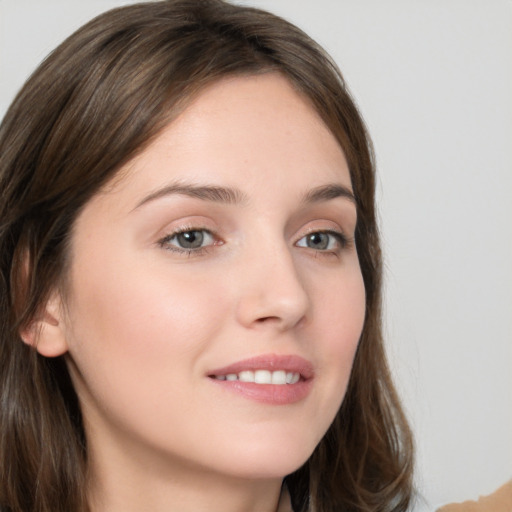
(264, 460)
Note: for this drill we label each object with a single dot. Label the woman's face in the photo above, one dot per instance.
(225, 254)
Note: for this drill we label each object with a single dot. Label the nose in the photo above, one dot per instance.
(271, 292)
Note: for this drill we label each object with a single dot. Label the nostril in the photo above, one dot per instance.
(268, 319)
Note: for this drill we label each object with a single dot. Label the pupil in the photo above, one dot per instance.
(191, 239)
(318, 241)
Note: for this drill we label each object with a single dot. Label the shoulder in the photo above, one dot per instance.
(498, 501)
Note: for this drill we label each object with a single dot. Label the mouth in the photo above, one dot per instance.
(271, 379)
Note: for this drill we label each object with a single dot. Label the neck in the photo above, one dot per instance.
(118, 486)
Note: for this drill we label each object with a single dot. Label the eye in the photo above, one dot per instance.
(323, 241)
(189, 240)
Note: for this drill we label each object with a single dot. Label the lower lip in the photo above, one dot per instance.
(280, 394)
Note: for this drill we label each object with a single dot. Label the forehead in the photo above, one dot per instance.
(242, 131)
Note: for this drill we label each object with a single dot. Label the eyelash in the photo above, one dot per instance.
(342, 241)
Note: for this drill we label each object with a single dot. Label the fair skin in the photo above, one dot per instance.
(153, 321)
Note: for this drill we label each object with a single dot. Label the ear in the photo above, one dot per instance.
(46, 332)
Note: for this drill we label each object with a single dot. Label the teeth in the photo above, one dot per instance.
(246, 376)
(279, 377)
(292, 378)
(262, 377)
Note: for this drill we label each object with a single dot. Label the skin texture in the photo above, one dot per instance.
(143, 323)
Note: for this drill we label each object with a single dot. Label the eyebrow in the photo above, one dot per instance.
(328, 192)
(213, 193)
(234, 196)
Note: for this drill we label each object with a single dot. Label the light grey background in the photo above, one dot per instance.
(433, 79)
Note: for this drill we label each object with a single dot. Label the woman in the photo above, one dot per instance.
(191, 276)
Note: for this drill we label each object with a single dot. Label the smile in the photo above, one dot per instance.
(279, 377)
(269, 379)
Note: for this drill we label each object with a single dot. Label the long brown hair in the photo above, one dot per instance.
(95, 102)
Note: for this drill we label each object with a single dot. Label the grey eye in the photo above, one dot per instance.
(320, 241)
(189, 240)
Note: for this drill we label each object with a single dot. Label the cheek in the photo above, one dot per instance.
(136, 347)
(129, 323)
(348, 313)
(339, 309)
(340, 318)
(147, 306)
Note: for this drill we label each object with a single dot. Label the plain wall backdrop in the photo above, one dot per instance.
(433, 79)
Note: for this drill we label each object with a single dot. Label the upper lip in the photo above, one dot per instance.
(270, 362)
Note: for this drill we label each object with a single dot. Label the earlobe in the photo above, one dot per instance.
(46, 332)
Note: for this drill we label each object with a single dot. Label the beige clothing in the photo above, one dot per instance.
(498, 501)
